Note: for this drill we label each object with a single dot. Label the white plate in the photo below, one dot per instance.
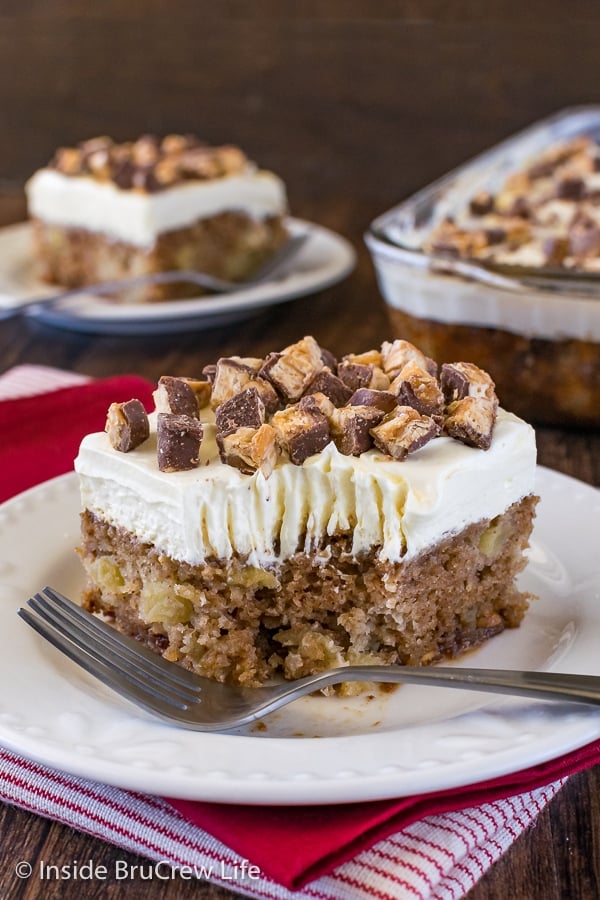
(415, 739)
(325, 259)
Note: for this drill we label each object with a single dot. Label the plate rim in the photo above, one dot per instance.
(178, 315)
(295, 790)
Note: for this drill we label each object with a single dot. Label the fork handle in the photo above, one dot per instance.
(537, 685)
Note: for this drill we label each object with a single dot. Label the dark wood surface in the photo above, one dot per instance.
(356, 104)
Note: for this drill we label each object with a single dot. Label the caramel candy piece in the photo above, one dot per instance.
(249, 449)
(69, 160)
(292, 370)
(584, 237)
(317, 402)
(384, 400)
(178, 440)
(404, 431)
(417, 388)
(127, 425)
(229, 377)
(463, 379)
(245, 409)
(362, 375)
(471, 421)
(397, 354)
(481, 204)
(351, 428)
(301, 431)
(176, 395)
(555, 250)
(325, 382)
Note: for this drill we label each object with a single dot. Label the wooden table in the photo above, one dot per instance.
(559, 857)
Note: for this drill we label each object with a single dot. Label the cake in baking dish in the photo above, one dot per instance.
(104, 210)
(284, 515)
(546, 215)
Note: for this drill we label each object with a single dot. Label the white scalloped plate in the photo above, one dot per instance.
(414, 740)
(323, 260)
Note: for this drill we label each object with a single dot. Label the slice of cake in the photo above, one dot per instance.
(103, 210)
(295, 513)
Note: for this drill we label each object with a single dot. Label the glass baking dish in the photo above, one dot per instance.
(538, 335)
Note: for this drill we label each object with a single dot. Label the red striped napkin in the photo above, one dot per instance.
(428, 846)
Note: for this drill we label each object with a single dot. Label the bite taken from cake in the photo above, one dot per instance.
(284, 515)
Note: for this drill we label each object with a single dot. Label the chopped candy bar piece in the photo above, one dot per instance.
(482, 203)
(383, 400)
(325, 382)
(351, 428)
(397, 354)
(249, 449)
(471, 420)
(417, 388)
(178, 439)
(404, 431)
(362, 375)
(176, 395)
(368, 358)
(461, 379)
(243, 409)
(292, 370)
(319, 402)
(127, 425)
(230, 377)
(301, 431)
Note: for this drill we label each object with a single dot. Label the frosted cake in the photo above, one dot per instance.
(281, 516)
(104, 210)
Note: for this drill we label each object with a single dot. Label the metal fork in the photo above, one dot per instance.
(272, 267)
(173, 694)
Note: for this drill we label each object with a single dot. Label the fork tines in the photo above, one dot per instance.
(121, 663)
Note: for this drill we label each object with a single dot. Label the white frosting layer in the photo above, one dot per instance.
(137, 217)
(398, 508)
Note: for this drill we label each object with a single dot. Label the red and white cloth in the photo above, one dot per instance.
(424, 847)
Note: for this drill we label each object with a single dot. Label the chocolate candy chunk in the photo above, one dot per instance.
(404, 431)
(229, 378)
(328, 359)
(555, 250)
(471, 421)
(355, 375)
(291, 371)
(417, 388)
(325, 382)
(481, 204)
(249, 449)
(127, 425)
(301, 431)
(463, 379)
(245, 409)
(368, 358)
(519, 208)
(495, 235)
(351, 428)
(397, 354)
(317, 402)
(383, 400)
(584, 237)
(178, 440)
(176, 395)
(570, 188)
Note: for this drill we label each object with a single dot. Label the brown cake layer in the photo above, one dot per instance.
(541, 380)
(230, 245)
(237, 623)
